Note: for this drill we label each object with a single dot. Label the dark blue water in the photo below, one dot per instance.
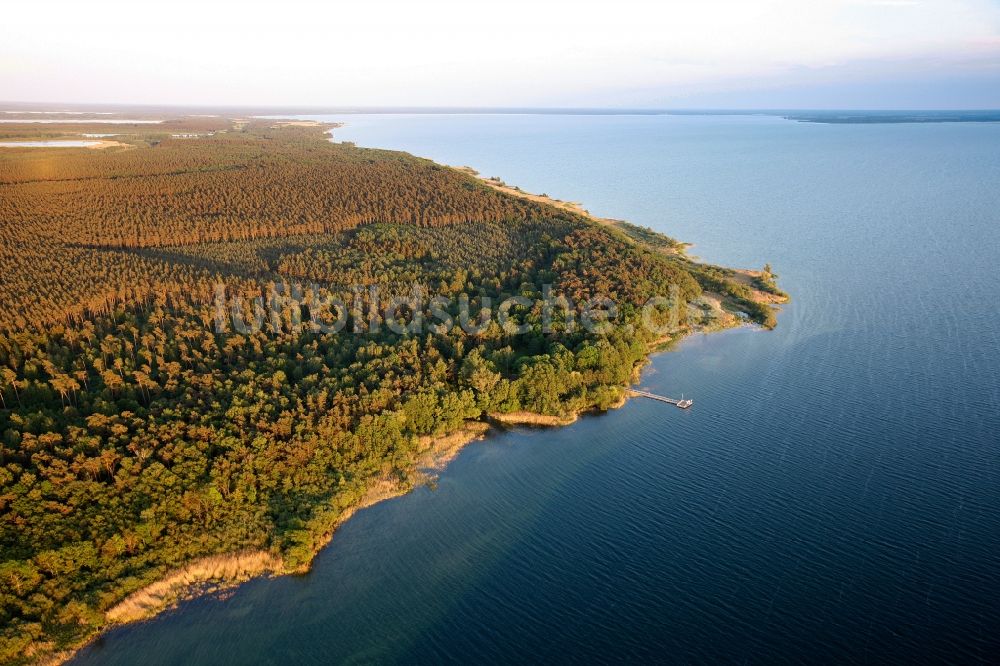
(833, 496)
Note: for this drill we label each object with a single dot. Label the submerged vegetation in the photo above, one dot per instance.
(138, 436)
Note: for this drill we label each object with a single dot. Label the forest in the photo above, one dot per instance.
(137, 435)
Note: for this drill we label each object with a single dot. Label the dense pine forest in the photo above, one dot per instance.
(137, 434)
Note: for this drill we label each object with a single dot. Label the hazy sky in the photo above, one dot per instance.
(718, 53)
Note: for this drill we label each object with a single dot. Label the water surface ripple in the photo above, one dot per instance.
(833, 496)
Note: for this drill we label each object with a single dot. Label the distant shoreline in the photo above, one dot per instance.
(826, 116)
(820, 116)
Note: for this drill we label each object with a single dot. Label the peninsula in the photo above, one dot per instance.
(221, 336)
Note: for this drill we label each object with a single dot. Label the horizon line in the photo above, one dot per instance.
(318, 109)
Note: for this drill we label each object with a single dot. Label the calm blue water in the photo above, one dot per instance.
(834, 495)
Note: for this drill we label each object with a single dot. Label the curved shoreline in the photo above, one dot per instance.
(217, 573)
(214, 574)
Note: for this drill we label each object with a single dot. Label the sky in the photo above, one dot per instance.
(859, 54)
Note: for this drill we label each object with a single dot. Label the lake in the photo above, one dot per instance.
(832, 496)
(78, 121)
(55, 143)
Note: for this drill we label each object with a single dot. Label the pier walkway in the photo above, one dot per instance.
(682, 403)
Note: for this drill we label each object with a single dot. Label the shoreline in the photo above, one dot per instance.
(221, 572)
(217, 574)
(631, 231)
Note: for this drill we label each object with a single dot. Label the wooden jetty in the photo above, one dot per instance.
(682, 403)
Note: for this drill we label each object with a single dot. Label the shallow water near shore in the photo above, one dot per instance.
(833, 495)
